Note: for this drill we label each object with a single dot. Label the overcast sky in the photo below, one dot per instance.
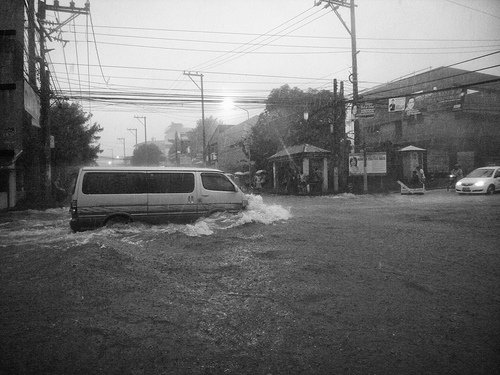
(245, 48)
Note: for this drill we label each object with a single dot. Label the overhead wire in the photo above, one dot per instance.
(97, 49)
(471, 8)
(88, 58)
(253, 49)
(331, 49)
(296, 36)
(212, 61)
(77, 61)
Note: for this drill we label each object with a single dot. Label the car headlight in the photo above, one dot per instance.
(479, 183)
(459, 183)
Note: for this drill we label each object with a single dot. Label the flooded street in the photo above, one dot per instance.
(335, 284)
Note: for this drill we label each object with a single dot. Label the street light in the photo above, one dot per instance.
(248, 113)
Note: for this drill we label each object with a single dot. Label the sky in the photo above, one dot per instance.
(128, 59)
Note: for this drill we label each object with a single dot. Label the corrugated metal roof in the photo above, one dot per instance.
(299, 149)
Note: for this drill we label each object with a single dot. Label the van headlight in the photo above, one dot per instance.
(479, 183)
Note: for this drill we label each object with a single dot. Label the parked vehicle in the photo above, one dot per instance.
(485, 180)
(103, 196)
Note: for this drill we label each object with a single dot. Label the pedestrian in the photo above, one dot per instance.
(414, 180)
(59, 192)
(457, 172)
(420, 175)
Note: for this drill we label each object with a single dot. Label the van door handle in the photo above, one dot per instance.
(204, 195)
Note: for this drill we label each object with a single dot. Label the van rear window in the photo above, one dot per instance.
(114, 183)
(217, 182)
(161, 183)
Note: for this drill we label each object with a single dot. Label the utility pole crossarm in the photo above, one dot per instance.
(196, 74)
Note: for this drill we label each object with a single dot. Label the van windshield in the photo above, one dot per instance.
(217, 182)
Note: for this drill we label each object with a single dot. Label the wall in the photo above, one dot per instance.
(467, 136)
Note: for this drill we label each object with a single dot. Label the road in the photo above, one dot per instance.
(376, 284)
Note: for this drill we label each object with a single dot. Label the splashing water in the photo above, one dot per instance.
(47, 228)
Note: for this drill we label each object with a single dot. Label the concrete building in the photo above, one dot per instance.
(453, 114)
(226, 146)
(21, 136)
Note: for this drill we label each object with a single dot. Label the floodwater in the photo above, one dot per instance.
(50, 227)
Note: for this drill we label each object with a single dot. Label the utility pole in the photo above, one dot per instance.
(353, 78)
(177, 151)
(134, 131)
(143, 123)
(196, 74)
(123, 140)
(145, 136)
(43, 7)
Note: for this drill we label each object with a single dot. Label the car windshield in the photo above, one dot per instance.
(481, 172)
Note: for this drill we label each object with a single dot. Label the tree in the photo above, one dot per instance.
(75, 137)
(195, 136)
(147, 154)
(282, 124)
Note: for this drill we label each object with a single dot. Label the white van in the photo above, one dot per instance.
(102, 196)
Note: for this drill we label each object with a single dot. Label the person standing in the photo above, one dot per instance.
(420, 175)
(457, 172)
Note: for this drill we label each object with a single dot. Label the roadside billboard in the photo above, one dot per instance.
(376, 164)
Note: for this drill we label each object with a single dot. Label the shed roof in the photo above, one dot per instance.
(411, 148)
(299, 149)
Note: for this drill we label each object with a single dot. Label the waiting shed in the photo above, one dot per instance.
(297, 160)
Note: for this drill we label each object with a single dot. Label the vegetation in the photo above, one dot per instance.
(282, 124)
(195, 136)
(147, 154)
(75, 137)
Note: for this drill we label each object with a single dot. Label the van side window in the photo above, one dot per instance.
(171, 183)
(216, 181)
(114, 183)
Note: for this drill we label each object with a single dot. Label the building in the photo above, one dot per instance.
(451, 113)
(228, 144)
(23, 146)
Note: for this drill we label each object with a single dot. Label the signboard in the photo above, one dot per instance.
(396, 104)
(376, 163)
(435, 101)
(366, 110)
(32, 104)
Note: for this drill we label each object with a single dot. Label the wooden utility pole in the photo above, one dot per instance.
(45, 33)
(134, 131)
(145, 136)
(353, 77)
(196, 74)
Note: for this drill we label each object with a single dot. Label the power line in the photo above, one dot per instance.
(260, 44)
(207, 72)
(494, 80)
(244, 52)
(332, 49)
(214, 60)
(474, 9)
(297, 36)
(77, 61)
(96, 49)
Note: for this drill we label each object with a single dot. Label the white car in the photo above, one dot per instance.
(484, 180)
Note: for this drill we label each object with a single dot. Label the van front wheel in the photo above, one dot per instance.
(120, 219)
